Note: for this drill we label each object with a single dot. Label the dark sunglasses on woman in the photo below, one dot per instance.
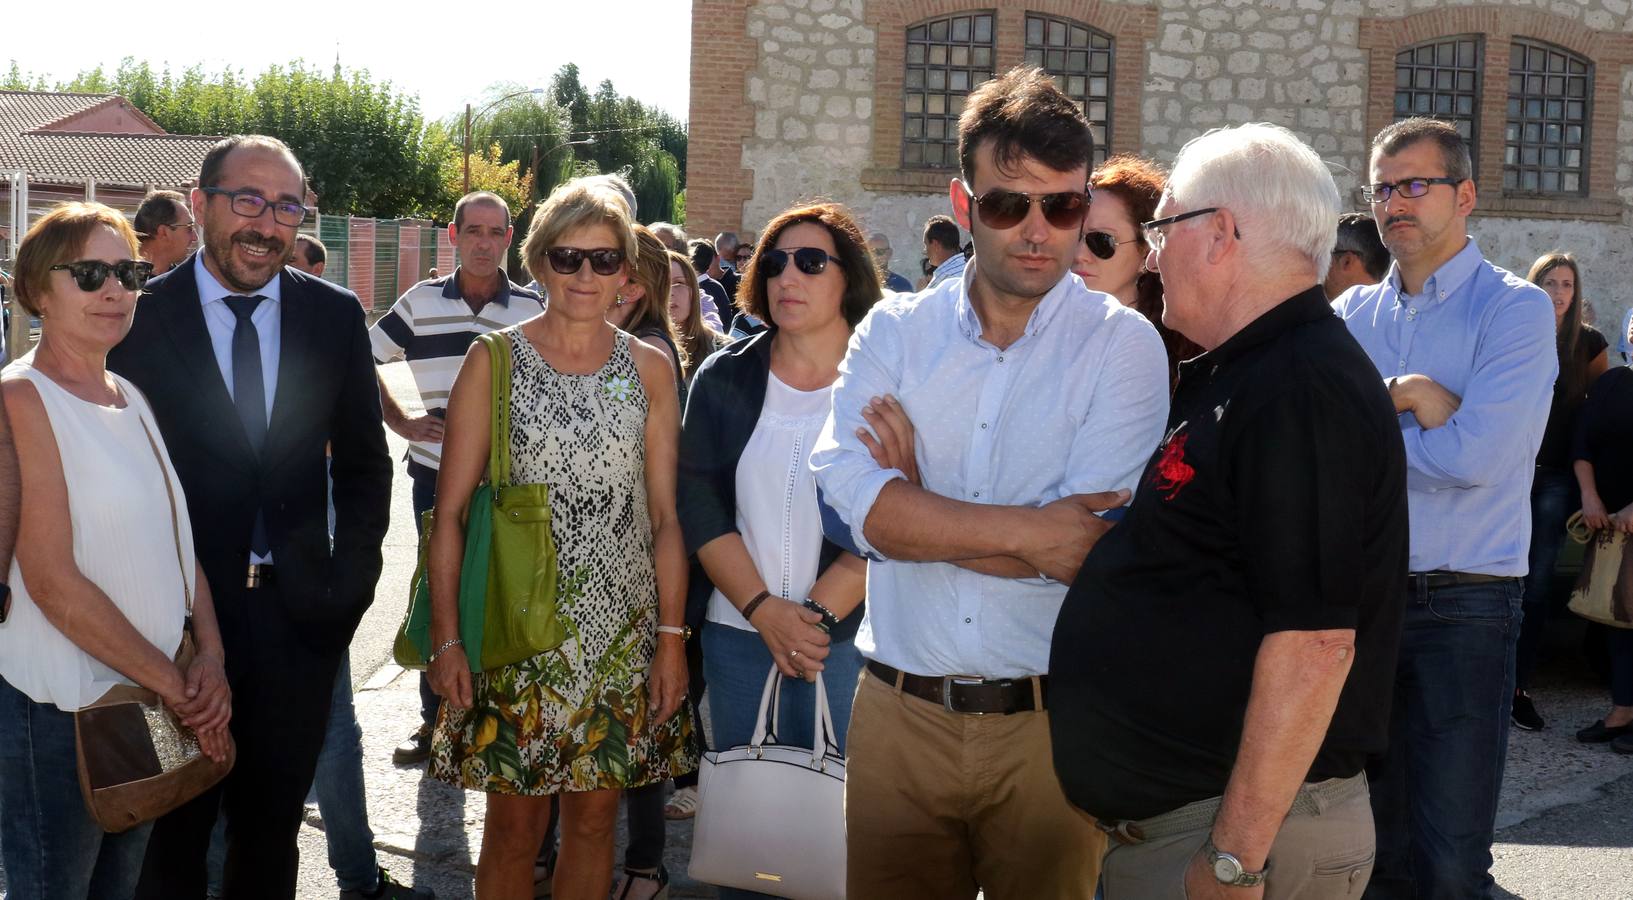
(1104, 244)
(1001, 209)
(90, 274)
(810, 260)
(568, 260)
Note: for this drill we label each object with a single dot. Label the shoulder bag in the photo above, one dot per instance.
(771, 817)
(136, 760)
(507, 582)
(1604, 589)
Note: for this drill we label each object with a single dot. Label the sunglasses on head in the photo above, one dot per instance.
(810, 260)
(90, 274)
(603, 260)
(1001, 209)
(1104, 244)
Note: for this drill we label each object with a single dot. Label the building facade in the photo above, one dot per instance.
(857, 101)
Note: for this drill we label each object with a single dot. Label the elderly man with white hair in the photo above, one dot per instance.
(1222, 665)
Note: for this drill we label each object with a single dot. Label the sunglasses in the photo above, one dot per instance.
(810, 260)
(568, 260)
(1001, 209)
(90, 274)
(1104, 244)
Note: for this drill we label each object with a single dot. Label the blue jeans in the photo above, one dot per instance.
(49, 845)
(1554, 496)
(1434, 796)
(425, 497)
(735, 663)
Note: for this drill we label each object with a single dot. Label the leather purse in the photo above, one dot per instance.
(507, 582)
(1604, 589)
(136, 760)
(771, 817)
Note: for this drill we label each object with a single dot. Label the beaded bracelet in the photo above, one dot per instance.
(829, 620)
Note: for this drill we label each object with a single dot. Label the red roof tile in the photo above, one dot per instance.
(65, 156)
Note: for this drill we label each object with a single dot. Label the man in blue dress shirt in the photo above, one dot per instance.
(1467, 352)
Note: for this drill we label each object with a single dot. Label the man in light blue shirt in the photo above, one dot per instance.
(1029, 394)
(1467, 351)
(943, 249)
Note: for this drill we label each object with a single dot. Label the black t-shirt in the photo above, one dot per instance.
(1604, 436)
(1555, 452)
(1276, 502)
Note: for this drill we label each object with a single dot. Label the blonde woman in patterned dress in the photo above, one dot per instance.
(594, 415)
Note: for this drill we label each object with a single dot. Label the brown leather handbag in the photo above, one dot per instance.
(136, 760)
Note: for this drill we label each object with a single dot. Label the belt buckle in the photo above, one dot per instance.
(1124, 832)
(947, 683)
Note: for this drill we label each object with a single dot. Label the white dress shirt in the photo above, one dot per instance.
(1076, 405)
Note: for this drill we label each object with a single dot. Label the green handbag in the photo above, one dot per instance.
(507, 583)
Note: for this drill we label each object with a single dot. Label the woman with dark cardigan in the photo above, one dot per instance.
(1582, 359)
(1605, 475)
(782, 593)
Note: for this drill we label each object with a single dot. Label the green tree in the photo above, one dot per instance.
(488, 173)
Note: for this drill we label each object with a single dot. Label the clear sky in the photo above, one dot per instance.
(446, 52)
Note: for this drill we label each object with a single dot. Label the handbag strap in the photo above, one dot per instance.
(175, 523)
(499, 413)
(824, 735)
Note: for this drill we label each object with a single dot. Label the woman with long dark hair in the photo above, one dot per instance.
(1582, 359)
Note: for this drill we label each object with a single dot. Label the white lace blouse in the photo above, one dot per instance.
(776, 496)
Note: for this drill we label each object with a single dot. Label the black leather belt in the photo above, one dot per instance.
(969, 694)
(260, 575)
(1441, 579)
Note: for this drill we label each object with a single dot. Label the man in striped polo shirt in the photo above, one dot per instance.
(431, 326)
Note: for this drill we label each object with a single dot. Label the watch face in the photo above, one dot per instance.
(1226, 869)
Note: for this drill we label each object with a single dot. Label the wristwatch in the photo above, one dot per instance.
(683, 631)
(1229, 870)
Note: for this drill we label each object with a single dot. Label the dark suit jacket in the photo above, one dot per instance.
(327, 393)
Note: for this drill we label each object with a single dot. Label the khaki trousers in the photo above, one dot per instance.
(940, 804)
(1324, 850)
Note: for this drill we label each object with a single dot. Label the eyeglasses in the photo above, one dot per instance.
(252, 206)
(1154, 234)
(187, 224)
(603, 260)
(810, 260)
(1410, 188)
(90, 274)
(1104, 244)
(1001, 209)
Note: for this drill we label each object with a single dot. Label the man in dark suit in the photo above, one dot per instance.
(251, 370)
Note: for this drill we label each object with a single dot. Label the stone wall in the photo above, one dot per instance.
(811, 82)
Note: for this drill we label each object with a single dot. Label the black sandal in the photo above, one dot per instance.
(660, 875)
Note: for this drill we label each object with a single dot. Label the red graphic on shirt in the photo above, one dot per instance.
(1172, 473)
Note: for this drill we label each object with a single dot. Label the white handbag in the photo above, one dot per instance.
(771, 817)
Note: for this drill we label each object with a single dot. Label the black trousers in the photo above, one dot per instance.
(281, 691)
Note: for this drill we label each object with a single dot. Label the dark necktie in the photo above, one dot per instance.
(249, 393)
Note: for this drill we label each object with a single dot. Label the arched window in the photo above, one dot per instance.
(1441, 79)
(1080, 59)
(1545, 146)
(946, 59)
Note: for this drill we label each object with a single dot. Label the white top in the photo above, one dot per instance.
(1077, 404)
(123, 542)
(776, 497)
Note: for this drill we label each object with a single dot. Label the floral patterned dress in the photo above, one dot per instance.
(576, 718)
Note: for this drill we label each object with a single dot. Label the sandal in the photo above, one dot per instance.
(623, 891)
(682, 804)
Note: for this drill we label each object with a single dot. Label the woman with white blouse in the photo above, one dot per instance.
(104, 560)
(783, 594)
